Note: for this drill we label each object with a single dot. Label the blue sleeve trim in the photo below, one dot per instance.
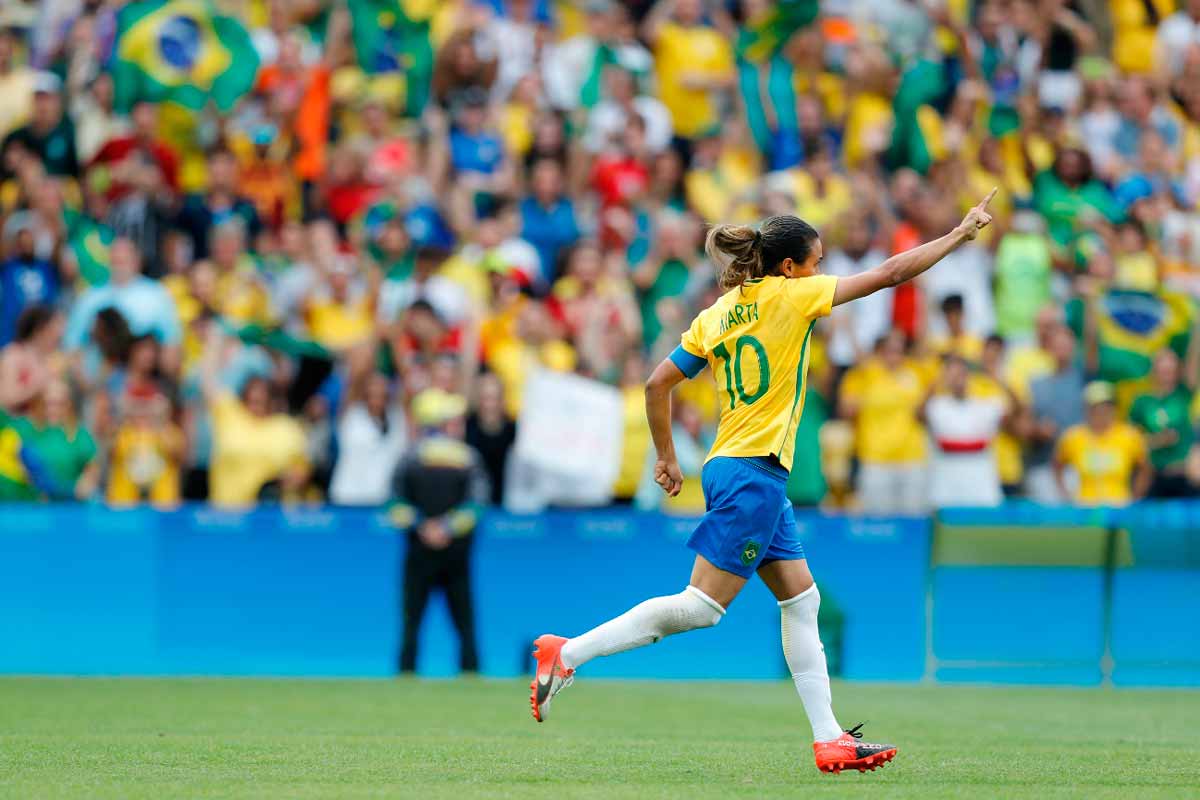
(690, 365)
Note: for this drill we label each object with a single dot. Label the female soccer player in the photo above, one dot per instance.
(755, 338)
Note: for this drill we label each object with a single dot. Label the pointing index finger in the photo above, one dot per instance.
(984, 204)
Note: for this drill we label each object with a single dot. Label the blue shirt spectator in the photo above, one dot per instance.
(25, 281)
(548, 217)
(144, 303)
(481, 152)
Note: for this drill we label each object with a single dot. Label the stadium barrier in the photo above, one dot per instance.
(1023, 594)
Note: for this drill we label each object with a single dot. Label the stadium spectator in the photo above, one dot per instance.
(963, 430)
(17, 83)
(854, 328)
(438, 489)
(372, 434)
(548, 217)
(147, 453)
(491, 432)
(621, 104)
(693, 64)
(96, 119)
(141, 301)
(49, 134)
(957, 340)
(1164, 416)
(883, 396)
(255, 448)
(122, 154)
(25, 279)
(28, 362)
(222, 201)
(1107, 457)
(1056, 403)
(1177, 34)
(60, 450)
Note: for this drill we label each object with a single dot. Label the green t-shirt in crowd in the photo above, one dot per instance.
(1063, 206)
(1155, 414)
(62, 454)
(1023, 272)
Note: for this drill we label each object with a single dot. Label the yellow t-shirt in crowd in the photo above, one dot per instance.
(1104, 462)
(966, 346)
(1134, 31)
(635, 442)
(680, 51)
(756, 339)
(249, 452)
(820, 210)
(516, 126)
(886, 428)
(512, 360)
(829, 88)
(340, 325)
(142, 465)
(868, 127)
(716, 193)
(242, 297)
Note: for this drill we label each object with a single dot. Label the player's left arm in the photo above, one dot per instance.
(905, 266)
(662, 382)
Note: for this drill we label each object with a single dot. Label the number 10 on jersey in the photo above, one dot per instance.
(733, 370)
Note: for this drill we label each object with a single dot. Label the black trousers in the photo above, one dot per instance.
(426, 569)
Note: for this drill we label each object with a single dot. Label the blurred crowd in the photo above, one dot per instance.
(279, 301)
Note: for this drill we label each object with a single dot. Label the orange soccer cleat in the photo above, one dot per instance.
(847, 752)
(551, 676)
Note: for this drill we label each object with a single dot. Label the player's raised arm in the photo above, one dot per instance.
(658, 413)
(911, 263)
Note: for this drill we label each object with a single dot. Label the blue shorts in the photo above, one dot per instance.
(749, 519)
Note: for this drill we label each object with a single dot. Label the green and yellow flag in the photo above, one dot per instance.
(765, 33)
(393, 36)
(88, 242)
(1131, 326)
(181, 50)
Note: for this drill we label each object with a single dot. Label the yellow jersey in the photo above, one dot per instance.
(1105, 462)
(886, 428)
(681, 52)
(756, 340)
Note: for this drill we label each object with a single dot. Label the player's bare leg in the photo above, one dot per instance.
(701, 605)
(834, 749)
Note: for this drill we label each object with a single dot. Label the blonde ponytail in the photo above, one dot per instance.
(738, 251)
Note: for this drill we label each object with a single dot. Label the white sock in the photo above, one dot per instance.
(644, 624)
(806, 659)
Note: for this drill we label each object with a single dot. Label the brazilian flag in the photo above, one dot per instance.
(765, 33)
(1132, 326)
(88, 241)
(393, 36)
(183, 51)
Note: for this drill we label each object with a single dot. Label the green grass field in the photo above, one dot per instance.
(203, 738)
